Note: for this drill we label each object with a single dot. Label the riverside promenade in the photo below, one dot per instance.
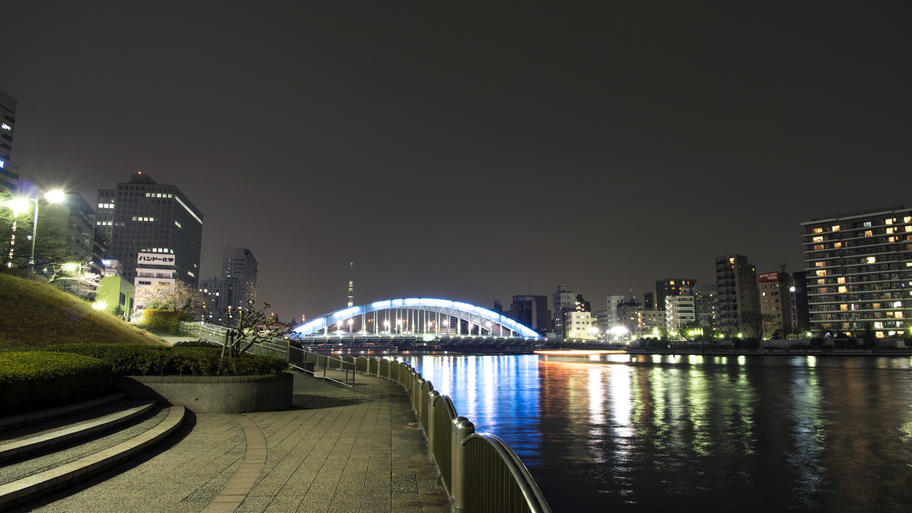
(336, 450)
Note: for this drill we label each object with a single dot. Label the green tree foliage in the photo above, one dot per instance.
(688, 330)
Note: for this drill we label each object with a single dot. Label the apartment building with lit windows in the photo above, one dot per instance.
(859, 271)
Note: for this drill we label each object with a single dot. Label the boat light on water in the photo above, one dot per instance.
(578, 352)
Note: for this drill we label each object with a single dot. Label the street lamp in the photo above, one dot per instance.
(17, 204)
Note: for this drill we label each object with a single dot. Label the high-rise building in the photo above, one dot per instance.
(239, 263)
(775, 303)
(737, 281)
(9, 175)
(672, 287)
(706, 306)
(144, 217)
(228, 293)
(630, 316)
(859, 266)
(531, 311)
(649, 301)
(563, 301)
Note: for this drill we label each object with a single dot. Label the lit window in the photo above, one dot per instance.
(835, 228)
(840, 280)
(907, 219)
(867, 224)
(871, 260)
(842, 290)
(844, 308)
(889, 221)
(821, 273)
(837, 245)
(818, 230)
(869, 233)
(820, 264)
(6, 127)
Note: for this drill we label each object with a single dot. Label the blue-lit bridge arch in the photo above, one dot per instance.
(416, 317)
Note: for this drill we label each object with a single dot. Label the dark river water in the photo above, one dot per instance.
(688, 433)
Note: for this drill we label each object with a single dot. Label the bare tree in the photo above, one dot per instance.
(253, 327)
(757, 322)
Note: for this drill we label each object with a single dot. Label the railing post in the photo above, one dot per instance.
(461, 429)
(430, 423)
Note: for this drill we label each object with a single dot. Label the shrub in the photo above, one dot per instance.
(751, 343)
(816, 342)
(164, 320)
(737, 343)
(35, 380)
(161, 361)
(197, 343)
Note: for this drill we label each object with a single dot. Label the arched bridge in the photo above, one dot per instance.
(416, 317)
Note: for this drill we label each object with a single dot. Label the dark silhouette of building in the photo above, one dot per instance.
(531, 311)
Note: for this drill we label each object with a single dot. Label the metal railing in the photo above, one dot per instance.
(480, 472)
(313, 363)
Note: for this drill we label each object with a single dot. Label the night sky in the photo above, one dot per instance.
(473, 151)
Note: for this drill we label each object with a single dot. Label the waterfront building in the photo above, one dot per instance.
(9, 174)
(706, 306)
(737, 282)
(679, 311)
(630, 316)
(649, 301)
(859, 267)
(563, 301)
(531, 311)
(144, 217)
(775, 303)
(672, 287)
(581, 326)
(611, 319)
(653, 323)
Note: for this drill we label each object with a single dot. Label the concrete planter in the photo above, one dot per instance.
(213, 394)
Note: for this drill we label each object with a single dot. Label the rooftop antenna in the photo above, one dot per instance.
(351, 285)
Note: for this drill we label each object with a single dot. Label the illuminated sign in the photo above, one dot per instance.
(524, 299)
(155, 259)
(770, 276)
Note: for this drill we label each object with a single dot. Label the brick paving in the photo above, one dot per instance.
(336, 450)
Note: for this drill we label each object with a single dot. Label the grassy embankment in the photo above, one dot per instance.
(36, 315)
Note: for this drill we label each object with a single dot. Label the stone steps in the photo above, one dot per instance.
(45, 451)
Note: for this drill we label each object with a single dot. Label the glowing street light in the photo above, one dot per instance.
(18, 205)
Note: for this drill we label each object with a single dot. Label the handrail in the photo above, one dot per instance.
(481, 471)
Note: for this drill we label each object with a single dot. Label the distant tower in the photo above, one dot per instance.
(351, 285)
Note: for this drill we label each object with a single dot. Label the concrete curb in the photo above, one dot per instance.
(72, 433)
(31, 487)
(33, 417)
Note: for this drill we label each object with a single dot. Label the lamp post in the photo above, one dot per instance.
(52, 197)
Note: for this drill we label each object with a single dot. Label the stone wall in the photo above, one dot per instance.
(213, 394)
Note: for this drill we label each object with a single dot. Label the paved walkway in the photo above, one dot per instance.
(335, 451)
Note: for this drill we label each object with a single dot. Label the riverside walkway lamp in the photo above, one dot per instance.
(51, 197)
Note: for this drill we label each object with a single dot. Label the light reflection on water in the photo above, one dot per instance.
(658, 432)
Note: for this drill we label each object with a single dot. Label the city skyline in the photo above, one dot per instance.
(473, 155)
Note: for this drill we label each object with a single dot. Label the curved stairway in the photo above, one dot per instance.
(48, 450)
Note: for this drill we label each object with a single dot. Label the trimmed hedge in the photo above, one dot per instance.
(34, 380)
(164, 320)
(129, 360)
